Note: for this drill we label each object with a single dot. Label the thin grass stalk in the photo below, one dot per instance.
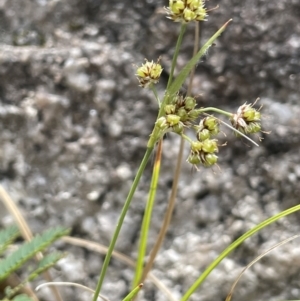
(233, 246)
(153, 89)
(147, 217)
(120, 221)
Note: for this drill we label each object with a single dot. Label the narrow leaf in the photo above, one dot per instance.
(233, 246)
(178, 82)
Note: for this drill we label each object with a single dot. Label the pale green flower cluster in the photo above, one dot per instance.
(246, 120)
(149, 73)
(186, 10)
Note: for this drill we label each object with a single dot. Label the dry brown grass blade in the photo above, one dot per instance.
(96, 247)
(229, 296)
(15, 212)
(13, 209)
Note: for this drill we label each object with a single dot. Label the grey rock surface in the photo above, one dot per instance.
(74, 126)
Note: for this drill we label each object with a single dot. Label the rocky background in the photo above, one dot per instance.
(74, 126)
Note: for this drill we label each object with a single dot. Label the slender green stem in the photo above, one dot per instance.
(120, 221)
(187, 138)
(216, 110)
(226, 124)
(168, 215)
(175, 56)
(147, 217)
(234, 245)
(152, 87)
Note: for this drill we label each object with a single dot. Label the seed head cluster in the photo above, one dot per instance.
(246, 120)
(186, 10)
(149, 73)
(180, 113)
(203, 150)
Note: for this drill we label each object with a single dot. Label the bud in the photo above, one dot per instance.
(253, 128)
(178, 128)
(172, 119)
(193, 114)
(190, 103)
(193, 4)
(196, 146)
(203, 135)
(170, 109)
(211, 123)
(189, 15)
(162, 123)
(210, 146)
(176, 6)
(194, 159)
(210, 159)
(182, 114)
(209, 126)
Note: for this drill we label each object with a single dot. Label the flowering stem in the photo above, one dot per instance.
(212, 109)
(152, 87)
(175, 56)
(187, 138)
(120, 221)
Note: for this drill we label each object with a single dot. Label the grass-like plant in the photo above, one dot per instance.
(177, 114)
